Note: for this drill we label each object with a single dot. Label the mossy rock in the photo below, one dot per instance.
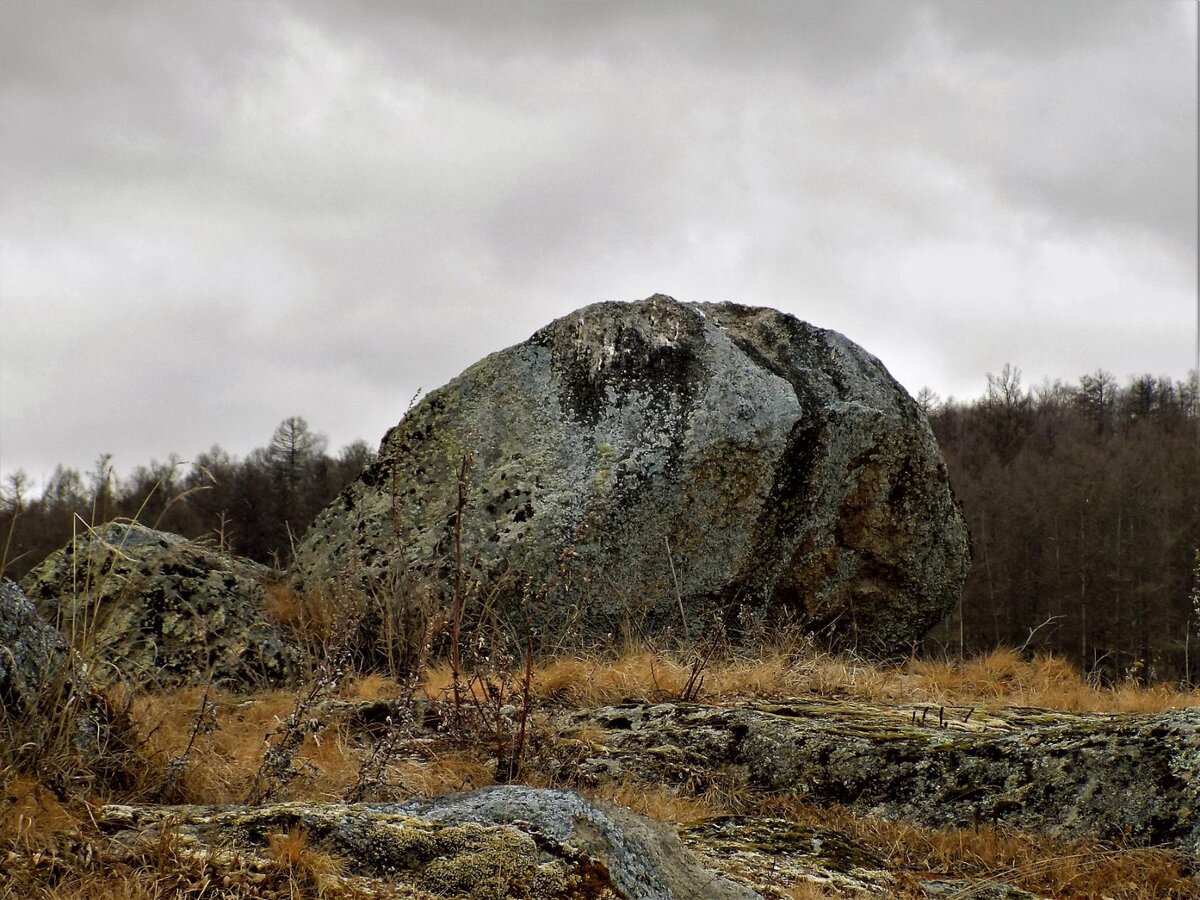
(153, 607)
(1123, 777)
(661, 467)
(500, 843)
(772, 855)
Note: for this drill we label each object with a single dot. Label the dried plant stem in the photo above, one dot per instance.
(456, 612)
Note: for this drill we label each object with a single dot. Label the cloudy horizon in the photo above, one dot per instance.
(215, 215)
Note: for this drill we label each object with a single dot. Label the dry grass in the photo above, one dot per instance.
(308, 871)
(227, 749)
(227, 753)
(86, 866)
(807, 890)
(373, 686)
(1004, 678)
(224, 736)
(1000, 678)
(1042, 865)
(658, 802)
(445, 773)
(31, 817)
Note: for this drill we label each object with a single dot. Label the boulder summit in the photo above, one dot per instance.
(657, 469)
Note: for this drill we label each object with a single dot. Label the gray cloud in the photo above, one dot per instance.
(221, 214)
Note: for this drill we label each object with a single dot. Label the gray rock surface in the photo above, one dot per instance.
(660, 466)
(507, 842)
(33, 655)
(780, 857)
(153, 607)
(775, 854)
(53, 722)
(643, 858)
(1130, 778)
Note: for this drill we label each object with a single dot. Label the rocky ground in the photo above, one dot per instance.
(362, 788)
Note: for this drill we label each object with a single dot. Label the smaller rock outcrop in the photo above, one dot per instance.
(33, 655)
(52, 720)
(504, 842)
(769, 852)
(1134, 778)
(153, 607)
(643, 858)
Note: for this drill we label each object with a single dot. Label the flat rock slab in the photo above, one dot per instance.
(504, 842)
(775, 854)
(1130, 778)
(524, 843)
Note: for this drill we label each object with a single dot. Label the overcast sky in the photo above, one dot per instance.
(214, 215)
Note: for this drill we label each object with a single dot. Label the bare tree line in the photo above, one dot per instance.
(254, 507)
(1083, 502)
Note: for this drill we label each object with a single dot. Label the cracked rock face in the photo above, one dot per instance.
(658, 467)
(154, 607)
(47, 697)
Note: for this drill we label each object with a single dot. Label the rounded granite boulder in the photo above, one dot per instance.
(657, 468)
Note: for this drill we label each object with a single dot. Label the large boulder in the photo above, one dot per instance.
(653, 466)
(153, 607)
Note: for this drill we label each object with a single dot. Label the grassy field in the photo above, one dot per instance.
(207, 746)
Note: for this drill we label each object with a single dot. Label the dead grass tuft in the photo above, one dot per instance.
(658, 802)
(1039, 864)
(373, 686)
(226, 754)
(31, 817)
(1003, 678)
(441, 773)
(308, 871)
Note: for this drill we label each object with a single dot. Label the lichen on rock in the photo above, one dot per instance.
(511, 842)
(768, 853)
(1129, 778)
(661, 467)
(153, 607)
(33, 655)
(53, 720)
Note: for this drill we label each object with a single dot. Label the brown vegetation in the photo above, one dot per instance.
(999, 678)
(206, 746)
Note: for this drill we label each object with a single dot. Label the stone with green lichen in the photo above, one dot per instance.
(153, 607)
(642, 858)
(1129, 778)
(775, 854)
(33, 655)
(661, 466)
(510, 842)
